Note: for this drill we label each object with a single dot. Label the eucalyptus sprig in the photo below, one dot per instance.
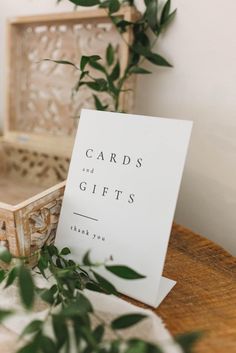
(68, 322)
(110, 78)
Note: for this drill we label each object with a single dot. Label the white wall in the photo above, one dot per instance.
(201, 87)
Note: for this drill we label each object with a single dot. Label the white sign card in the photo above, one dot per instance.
(121, 195)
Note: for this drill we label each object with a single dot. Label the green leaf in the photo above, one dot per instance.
(48, 345)
(80, 306)
(151, 348)
(85, 3)
(42, 265)
(88, 337)
(169, 18)
(83, 62)
(188, 340)
(94, 287)
(99, 85)
(5, 255)
(2, 275)
(26, 287)
(116, 346)
(165, 11)
(71, 263)
(137, 346)
(28, 348)
(154, 58)
(122, 24)
(52, 250)
(59, 263)
(97, 66)
(47, 295)
(63, 62)
(54, 289)
(102, 83)
(115, 72)
(63, 273)
(88, 59)
(105, 284)
(151, 14)
(32, 327)
(65, 251)
(12, 276)
(126, 321)
(32, 346)
(142, 38)
(114, 6)
(86, 259)
(98, 333)
(110, 55)
(43, 262)
(93, 85)
(124, 272)
(105, 4)
(60, 330)
(83, 74)
(5, 313)
(134, 58)
(99, 106)
(138, 70)
(77, 329)
(111, 87)
(94, 58)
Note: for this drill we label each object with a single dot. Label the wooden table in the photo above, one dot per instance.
(205, 295)
(204, 298)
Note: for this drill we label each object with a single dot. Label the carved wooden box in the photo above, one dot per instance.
(40, 118)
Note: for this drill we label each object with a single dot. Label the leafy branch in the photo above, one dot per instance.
(112, 79)
(69, 310)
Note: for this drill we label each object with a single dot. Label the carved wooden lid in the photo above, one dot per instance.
(39, 96)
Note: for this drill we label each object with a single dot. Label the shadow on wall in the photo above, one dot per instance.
(205, 209)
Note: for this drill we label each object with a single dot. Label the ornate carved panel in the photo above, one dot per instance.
(40, 92)
(34, 167)
(43, 224)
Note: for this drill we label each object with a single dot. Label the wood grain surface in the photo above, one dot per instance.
(14, 191)
(205, 295)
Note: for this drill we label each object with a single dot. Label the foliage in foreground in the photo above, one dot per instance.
(69, 310)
